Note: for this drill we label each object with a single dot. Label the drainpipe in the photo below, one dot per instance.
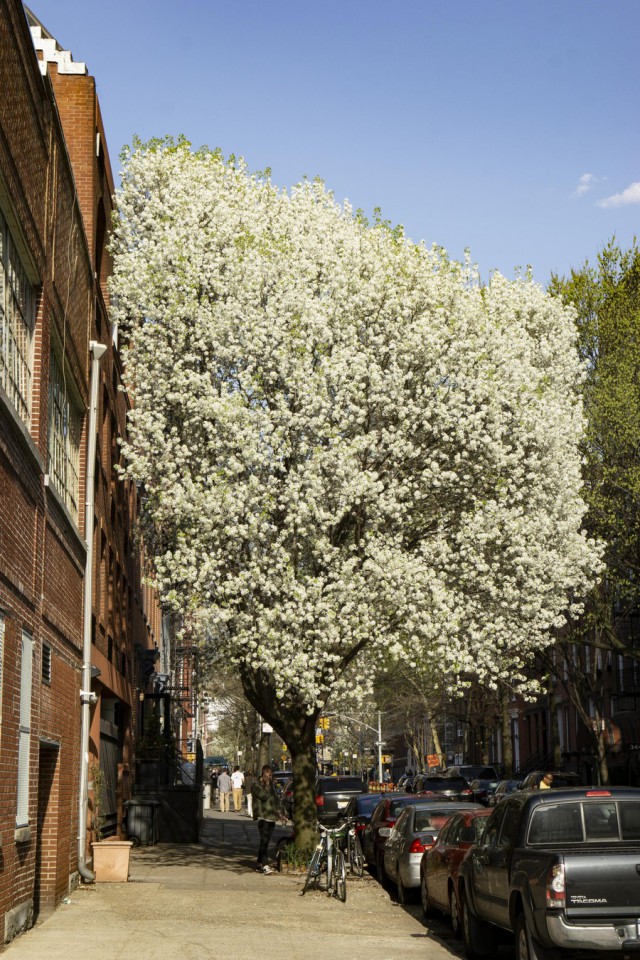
(86, 696)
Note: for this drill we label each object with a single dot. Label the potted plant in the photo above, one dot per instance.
(110, 855)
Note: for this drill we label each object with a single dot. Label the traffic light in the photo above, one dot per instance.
(319, 738)
(323, 722)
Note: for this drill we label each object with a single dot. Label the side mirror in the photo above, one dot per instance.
(384, 832)
(468, 835)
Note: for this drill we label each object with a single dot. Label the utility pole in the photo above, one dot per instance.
(379, 746)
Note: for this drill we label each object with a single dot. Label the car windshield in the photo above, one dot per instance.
(437, 785)
(396, 805)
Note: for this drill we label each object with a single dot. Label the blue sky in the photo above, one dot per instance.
(505, 126)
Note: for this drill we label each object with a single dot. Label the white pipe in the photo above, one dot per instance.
(379, 747)
(86, 697)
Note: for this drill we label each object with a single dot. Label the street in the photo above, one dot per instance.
(206, 900)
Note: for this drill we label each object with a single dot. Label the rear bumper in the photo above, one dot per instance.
(614, 936)
(409, 869)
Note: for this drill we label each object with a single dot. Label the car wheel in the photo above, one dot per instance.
(526, 947)
(405, 895)
(425, 900)
(454, 911)
(479, 938)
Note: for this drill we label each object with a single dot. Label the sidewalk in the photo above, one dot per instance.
(205, 900)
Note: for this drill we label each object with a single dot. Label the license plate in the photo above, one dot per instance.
(342, 804)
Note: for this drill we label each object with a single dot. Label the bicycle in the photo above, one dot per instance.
(353, 850)
(328, 859)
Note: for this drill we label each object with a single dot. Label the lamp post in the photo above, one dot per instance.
(379, 741)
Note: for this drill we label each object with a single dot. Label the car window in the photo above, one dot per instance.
(556, 823)
(601, 821)
(480, 825)
(402, 820)
(451, 832)
(630, 819)
(509, 823)
(377, 813)
(396, 806)
(490, 836)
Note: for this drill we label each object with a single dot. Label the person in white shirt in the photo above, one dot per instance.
(237, 782)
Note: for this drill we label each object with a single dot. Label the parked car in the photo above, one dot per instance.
(504, 788)
(360, 809)
(482, 790)
(405, 782)
(472, 771)
(280, 777)
(440, 864)
(286, 797)
(415, 831)
(559, 870)
(333, 795)
(387, 811)
(455, 788)
(560, 779)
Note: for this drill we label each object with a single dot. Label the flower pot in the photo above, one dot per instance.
(111, 860)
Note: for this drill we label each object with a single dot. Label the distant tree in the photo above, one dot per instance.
(350, 448)
(607, 300)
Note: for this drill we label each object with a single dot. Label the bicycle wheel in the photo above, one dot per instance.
(329, 857)
(313, 871)
(356, 856)
(339, 876)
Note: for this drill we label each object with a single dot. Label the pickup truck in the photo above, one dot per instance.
(560, 869)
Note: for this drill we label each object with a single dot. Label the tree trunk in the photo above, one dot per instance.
(436, 742)
(263, 752)
(507, 743)
(303, 762)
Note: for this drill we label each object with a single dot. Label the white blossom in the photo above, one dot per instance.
(350, 447)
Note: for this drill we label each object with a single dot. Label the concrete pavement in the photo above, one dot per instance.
(206, 900)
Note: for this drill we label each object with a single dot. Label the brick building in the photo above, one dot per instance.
(55, 203)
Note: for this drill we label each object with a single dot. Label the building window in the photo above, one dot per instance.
(65, 427)
(24, 736)
(17, 320)
(46, 663)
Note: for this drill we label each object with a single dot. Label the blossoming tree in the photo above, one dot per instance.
(351, 449)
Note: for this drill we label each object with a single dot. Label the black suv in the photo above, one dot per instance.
(333, 795)
(453, 788)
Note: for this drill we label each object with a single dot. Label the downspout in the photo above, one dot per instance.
(86, 696)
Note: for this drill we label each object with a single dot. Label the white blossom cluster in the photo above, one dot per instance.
(350, 447)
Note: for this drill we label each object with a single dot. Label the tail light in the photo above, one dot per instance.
(360, 827)
(319, 801)
(466, 793)
(556, 887)
(420, 844)
(598, 793)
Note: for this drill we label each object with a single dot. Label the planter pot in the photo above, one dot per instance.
(111, 860)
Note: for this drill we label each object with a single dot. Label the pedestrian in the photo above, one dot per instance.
(546, 782)
(248, 783)
(266, 810)
(224, 789)
(237, 782)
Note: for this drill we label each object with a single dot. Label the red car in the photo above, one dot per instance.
(440, 864)
(389, 808)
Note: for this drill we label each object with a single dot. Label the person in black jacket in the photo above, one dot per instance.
(266, 810)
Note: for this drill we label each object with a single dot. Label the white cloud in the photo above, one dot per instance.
(630, 195)
(585, 183)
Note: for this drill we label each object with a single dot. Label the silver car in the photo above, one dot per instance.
(415, 831)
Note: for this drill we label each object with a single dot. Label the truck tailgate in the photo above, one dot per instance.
(603, 884)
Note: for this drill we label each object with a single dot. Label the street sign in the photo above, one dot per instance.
(433, 760)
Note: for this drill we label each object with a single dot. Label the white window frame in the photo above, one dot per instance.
(24, 735)
(17, 323)
(65, 431)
